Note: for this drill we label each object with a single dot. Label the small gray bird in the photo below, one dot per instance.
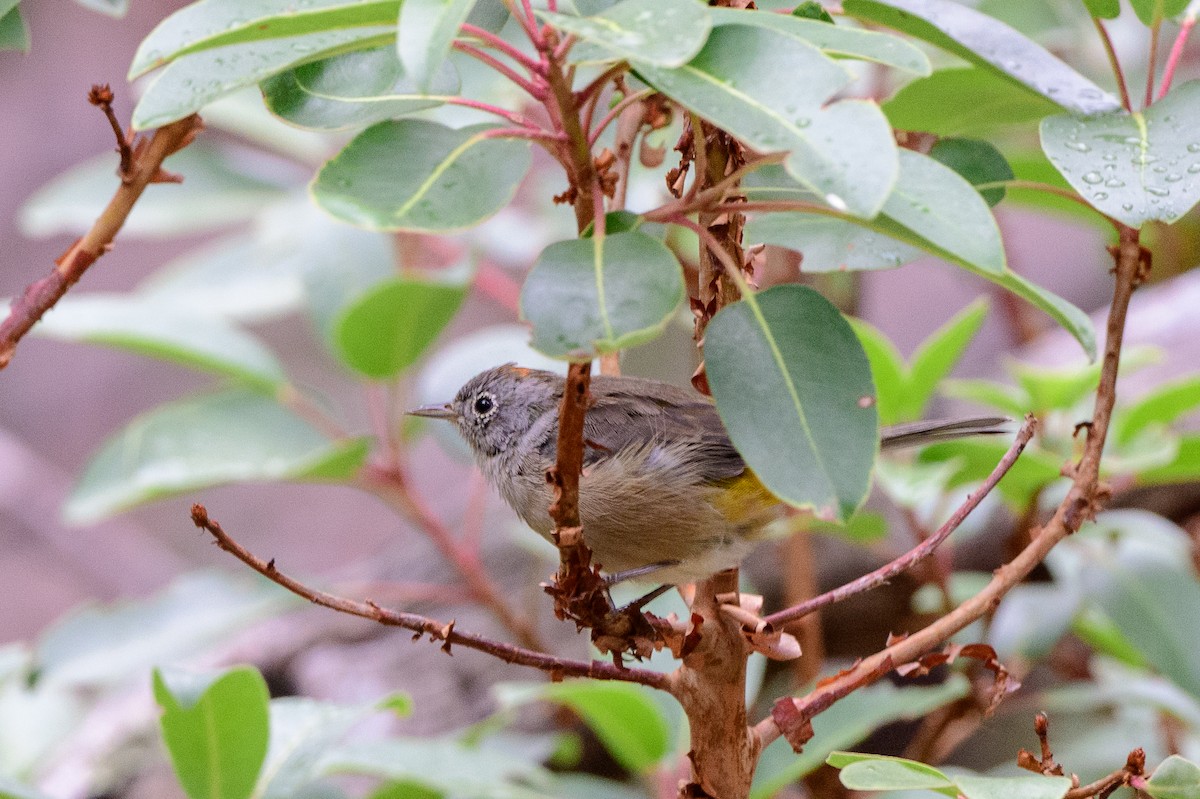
(663, 490)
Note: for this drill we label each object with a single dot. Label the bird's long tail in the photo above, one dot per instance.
(915, 434)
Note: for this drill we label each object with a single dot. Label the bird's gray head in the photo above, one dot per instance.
(494, 409)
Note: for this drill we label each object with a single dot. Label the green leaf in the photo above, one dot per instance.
(1073, 320)
(1161, 406)
(444, 765)
(938, 354)
(905, 391)
(1104, 9)
(1098, 631)
(1185, 468)
(1003, 397)
(14, 32)
(1055, 388)
(426, 32)
(1145, 592)
(811, 9)
(192, 81)
(199, 340)
(933, 202)
(961, 101)
(446, 180)
(664, 33)
(1175, 778)
(385, 331)
(1031, 786)
(1137, 167)
(794, 389)
(353, 90)
(889, 370)
(880, 773)
(847, 723)
(829, 244)
(216, 192)
(1152, 12)
(771, 185)
(624, 716)
(837, 41)
(302, 731)
(102, 646)
(231, 436)
(989, 43)
(406, 789)
(601, 294)
(977, 161)
(843, 151)
(217, 739)
(215, 23)
(976, 458)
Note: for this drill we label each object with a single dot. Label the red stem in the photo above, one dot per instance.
(1153, 62)
(615, 111)
(534, 90)
(1185, 30)
(496, 43)
(1126, 103)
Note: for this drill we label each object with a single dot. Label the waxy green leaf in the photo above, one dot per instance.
(624, 716)
(215, 730)
(202, 341)
(979, 162)
(14, 33)
(212, 439)
(1136, 168)
(601, 294)
(194, 80)
(989, 43)
(843, 151)
(838, 41)
(216, 23)
(426, 32)
(794, 389)
(1152, 12)
(665, 33)
(353, 90)
(964, 101)
(1175, 778)
(447, 179)
(384, 332)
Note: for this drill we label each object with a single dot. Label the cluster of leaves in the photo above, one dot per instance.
(400, 128)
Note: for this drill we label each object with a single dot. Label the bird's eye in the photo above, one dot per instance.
(484, 404)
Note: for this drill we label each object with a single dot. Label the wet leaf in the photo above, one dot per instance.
(665, 33)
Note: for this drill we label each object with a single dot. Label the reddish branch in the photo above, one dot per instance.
(1084, 499)
(922, 550)
(141, 165)
(422, 625)
(1185, 30)
(1130, 774)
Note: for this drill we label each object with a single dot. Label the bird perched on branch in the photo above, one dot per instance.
(663, 492)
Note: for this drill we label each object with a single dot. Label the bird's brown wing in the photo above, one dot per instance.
(672, 423)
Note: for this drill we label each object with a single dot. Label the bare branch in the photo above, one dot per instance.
(422, 625)
(144, 167)
(922, 550)
(1085, 497)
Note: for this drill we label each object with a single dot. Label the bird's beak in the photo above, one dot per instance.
(441, 410)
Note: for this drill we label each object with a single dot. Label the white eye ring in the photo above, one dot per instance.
(484, 404)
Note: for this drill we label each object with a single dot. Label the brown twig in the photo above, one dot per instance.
(1152, 63)
(390, 485)
(1083, 501)
(101, 95)
(422, 625)
(144, 167)
(922, 550)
